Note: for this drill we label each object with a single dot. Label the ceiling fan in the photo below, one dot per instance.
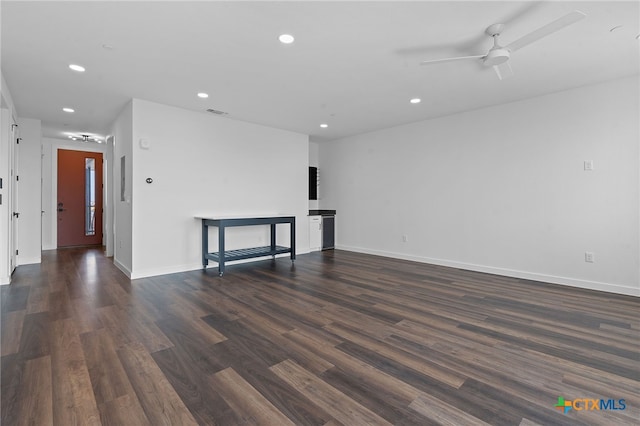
(498, 56)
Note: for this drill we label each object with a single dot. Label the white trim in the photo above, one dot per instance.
(194, 267)
(164, 271)
(28, 261)
(572, 282)
(5, 280)
(57, 144)
(123, 268)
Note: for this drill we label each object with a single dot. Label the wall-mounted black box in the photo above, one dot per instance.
(313, 183)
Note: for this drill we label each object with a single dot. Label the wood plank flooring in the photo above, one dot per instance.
(337, 338)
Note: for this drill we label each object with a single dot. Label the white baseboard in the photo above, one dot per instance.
(5, 280)
(195, 266)
(572, 282)
(28, 261)
(123, 268)
(164, 271)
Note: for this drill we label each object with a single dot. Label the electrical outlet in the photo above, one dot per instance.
(405, 239)
(588, 165)
(588, 257)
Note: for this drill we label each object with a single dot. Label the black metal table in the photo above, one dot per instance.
(222, 255)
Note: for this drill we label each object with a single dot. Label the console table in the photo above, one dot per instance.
(222, 255)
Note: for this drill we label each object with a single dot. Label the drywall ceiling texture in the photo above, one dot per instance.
(354, 65)
(501, 189)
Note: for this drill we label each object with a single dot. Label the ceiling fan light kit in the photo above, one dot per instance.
(496, 57)
(499, 55)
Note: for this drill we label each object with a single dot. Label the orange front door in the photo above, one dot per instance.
(79, 198)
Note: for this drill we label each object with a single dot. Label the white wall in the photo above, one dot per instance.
(501, 189)
(122, 131)
(29, 200)
(50, 147)
(109, 198)
(204, 164)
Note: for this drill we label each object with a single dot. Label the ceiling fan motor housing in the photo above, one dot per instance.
(496, 56)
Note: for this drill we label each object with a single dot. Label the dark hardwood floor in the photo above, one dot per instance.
(339, 338)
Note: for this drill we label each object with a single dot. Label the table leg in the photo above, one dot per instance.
(221, 250)
(293, 239)
(273, 239)
(205, 244)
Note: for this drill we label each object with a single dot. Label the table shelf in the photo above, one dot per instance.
(247, 253)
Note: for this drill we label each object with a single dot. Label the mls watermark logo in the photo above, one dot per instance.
(589, 404)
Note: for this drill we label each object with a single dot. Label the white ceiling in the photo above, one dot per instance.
(354, 65)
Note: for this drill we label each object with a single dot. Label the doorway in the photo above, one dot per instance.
(79, 203)
(14, 183)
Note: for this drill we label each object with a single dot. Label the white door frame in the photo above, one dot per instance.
(14, 211)
(106, 203)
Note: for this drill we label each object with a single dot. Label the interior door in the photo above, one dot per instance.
(79, 198)
(15, 214)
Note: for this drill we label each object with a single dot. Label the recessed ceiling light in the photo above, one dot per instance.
(286, 38)
(70, 137)
(415, 100)
(75, 139)
(617, 27)
(107, 47)
(203, 95)
(77, 67)
(68, 110)
(324, 126)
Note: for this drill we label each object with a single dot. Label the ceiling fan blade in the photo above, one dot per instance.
(504, 70)
(459, 58)
(550, 28)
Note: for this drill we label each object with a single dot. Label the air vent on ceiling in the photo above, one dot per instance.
(215, 111)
